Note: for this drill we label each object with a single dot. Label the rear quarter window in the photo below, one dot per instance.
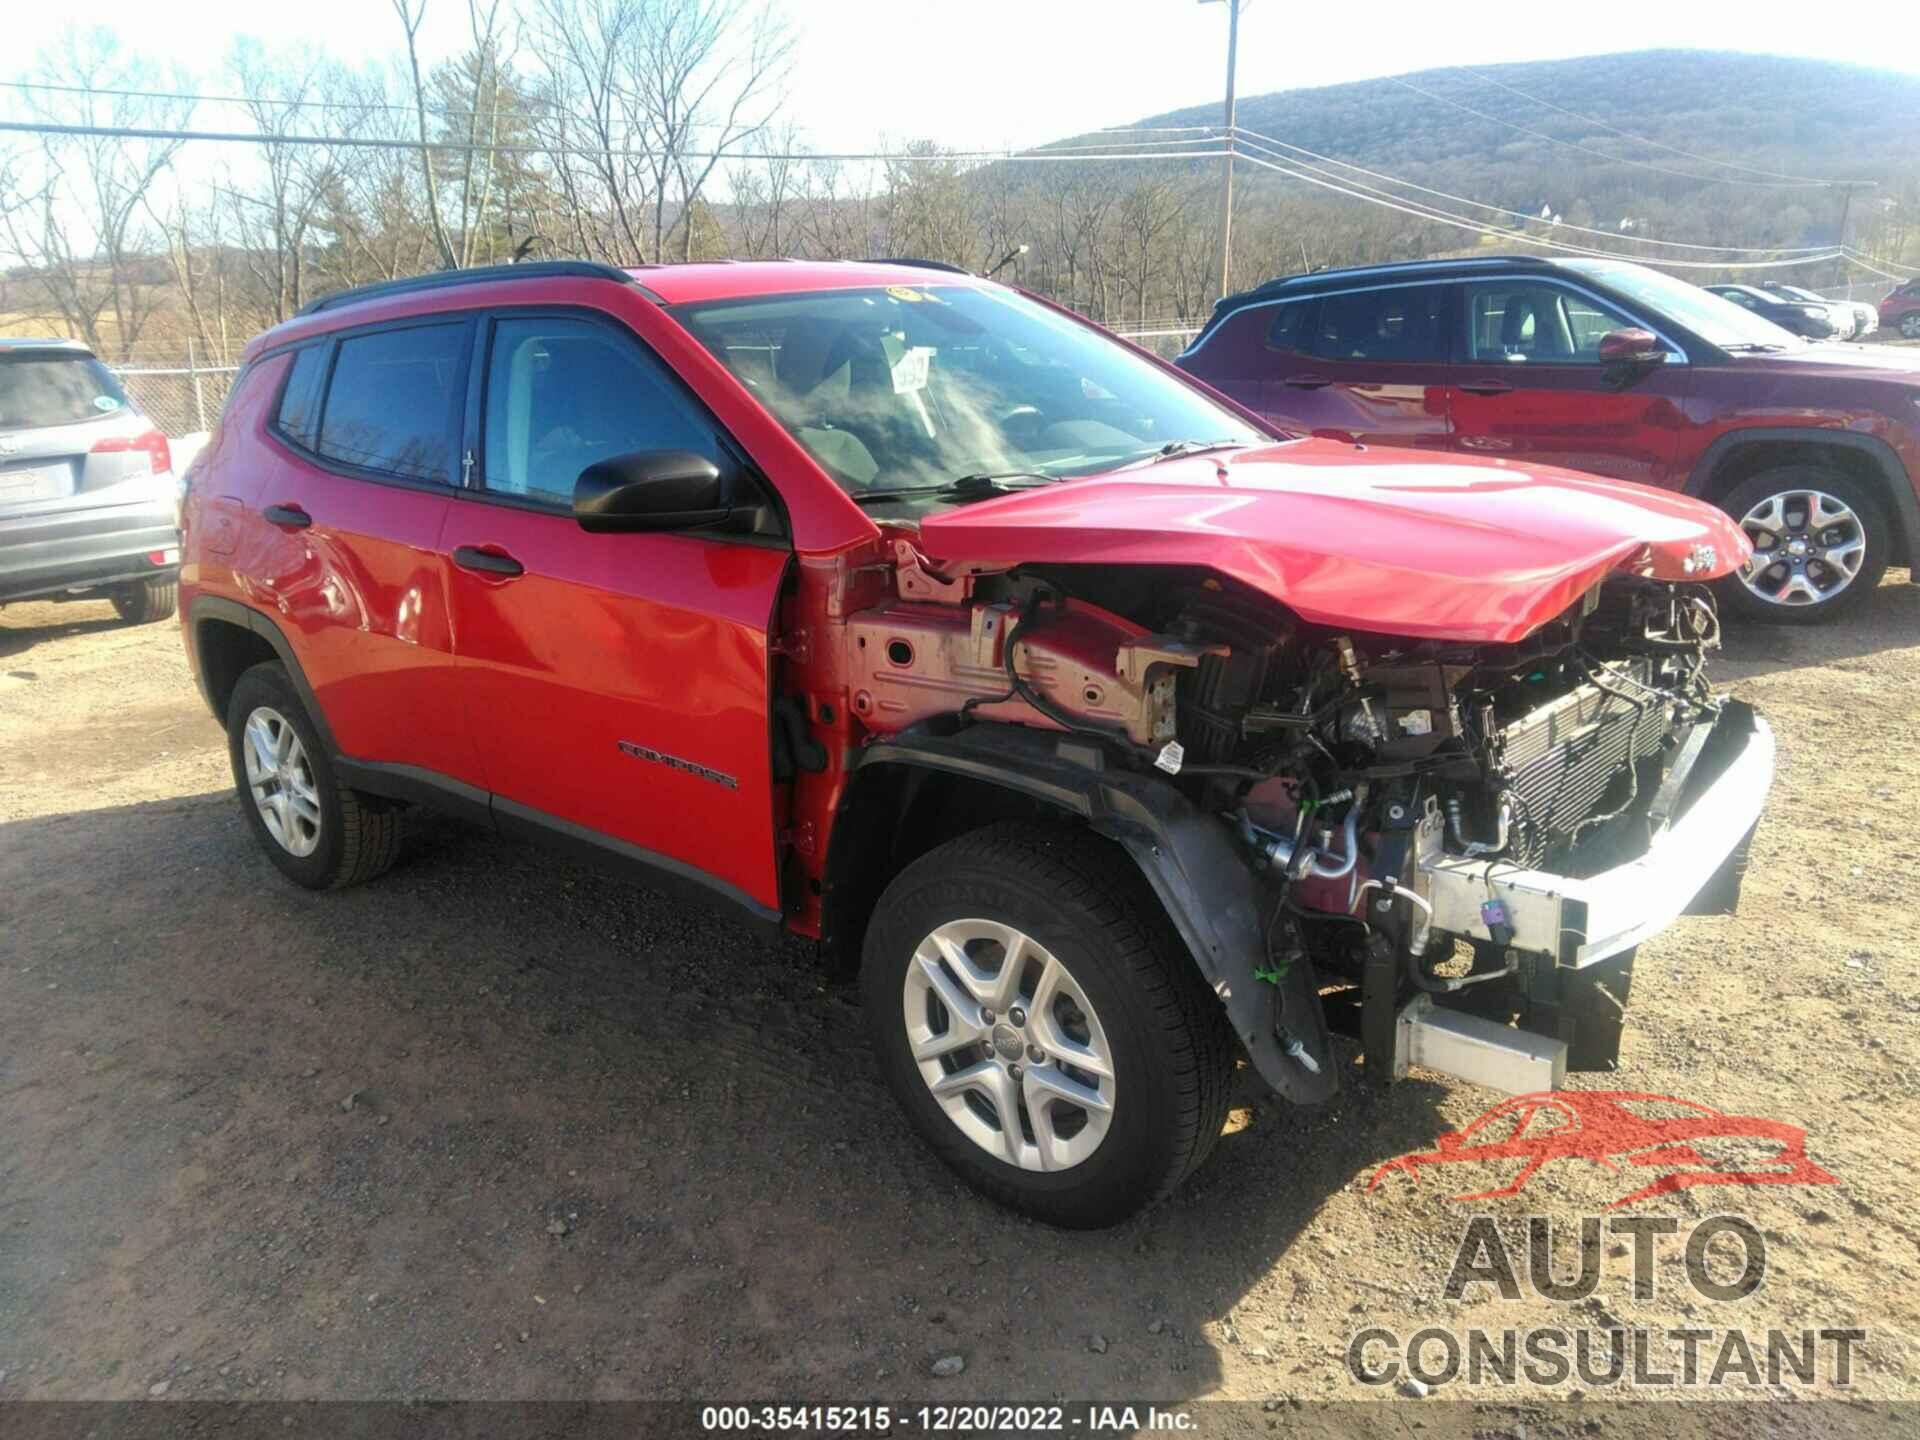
(299, 415)
(56, 389)
(1287, 329)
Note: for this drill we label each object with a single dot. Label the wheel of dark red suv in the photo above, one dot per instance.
(1910, 325)
(1040, 1024)
(1821, 541)
(146, 600)
(321, 834)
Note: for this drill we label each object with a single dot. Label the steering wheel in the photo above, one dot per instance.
(1021, 423)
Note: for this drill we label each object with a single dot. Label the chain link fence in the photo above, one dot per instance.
(181, 400)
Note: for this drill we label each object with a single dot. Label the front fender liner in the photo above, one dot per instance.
(1199, 871)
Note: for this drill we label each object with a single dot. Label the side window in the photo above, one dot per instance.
(1528, 322)
(393, 400)
(1404, 325)
(564, 392)
(299, 416)
(1288, 326)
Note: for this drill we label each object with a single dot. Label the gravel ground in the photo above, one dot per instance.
(496, 1126)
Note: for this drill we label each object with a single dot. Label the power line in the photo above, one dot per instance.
(1642, 139)
(1873, 267)
(1426, 212)
(368, 142)
(1601, 154)
(1255, 135)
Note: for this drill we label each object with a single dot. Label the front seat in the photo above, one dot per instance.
(815, 367)
(1518, 327)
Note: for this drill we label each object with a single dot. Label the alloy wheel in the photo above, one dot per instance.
(280, 777)
(1807, 548)
(1009, 1045)
(1910, 325)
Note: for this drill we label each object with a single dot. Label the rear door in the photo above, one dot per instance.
(1530, 386)
(1372, 367)
(342, 543)
(618, 685)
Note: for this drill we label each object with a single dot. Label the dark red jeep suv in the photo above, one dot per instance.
(1111, 739)
(1612, 369)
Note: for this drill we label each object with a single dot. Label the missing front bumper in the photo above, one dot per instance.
(1582, 921)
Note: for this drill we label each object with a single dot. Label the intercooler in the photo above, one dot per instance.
(1566, 760)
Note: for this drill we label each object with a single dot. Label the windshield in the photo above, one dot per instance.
(52, 387)
(912, 387)
(1716, 320)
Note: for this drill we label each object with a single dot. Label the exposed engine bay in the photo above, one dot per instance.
(1379, 786)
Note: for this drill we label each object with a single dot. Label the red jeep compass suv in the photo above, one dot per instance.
(1612, 369)
(1110, 738)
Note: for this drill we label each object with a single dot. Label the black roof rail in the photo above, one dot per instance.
(477, 275)
(917, 261)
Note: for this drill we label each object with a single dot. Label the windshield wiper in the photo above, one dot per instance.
(1753, 347)
(976, 485)
(1189, 447)
(982, 482)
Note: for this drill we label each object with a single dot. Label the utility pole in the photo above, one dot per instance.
(1846, 206)
(1226, 188)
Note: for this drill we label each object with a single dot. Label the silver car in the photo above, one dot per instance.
(88, 502)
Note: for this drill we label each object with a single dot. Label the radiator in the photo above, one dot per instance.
(1561, 760)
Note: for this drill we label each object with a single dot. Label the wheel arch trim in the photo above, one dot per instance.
(1193, 865)
(217, 608)
(1903, 504)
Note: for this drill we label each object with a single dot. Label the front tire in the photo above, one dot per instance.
(316, 831)
(1910, 325)
(145, 601)
(1042, 1025)
(1821, 543)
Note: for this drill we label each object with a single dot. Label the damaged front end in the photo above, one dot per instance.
(1446, 850)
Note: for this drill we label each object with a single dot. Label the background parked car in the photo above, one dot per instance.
(1901, 310)
(1614, 369)
(1852, 319)
(88, 502)
(1814, 321)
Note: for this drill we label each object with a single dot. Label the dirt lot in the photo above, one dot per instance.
(497, 1126)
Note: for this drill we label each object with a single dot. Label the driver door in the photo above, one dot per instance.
(617, 686)
(1530, 386)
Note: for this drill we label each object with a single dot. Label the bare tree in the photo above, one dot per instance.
(82, 234)
(411, 13)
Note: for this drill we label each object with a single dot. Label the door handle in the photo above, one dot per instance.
(1487, 387)
(1308, 382)
(491, 562)
(287, 517)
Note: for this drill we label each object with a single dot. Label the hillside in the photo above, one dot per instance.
(1771, 113)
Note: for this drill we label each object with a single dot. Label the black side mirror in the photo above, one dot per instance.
(651, 490)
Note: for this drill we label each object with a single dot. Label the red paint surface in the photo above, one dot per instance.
(1596, 1126)
(1376, 540)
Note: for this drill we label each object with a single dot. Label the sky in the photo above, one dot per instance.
(991, 73)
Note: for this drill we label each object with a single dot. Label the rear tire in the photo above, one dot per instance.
(316, 831)
(146, 600)
(1125, 994)
(1782, 507)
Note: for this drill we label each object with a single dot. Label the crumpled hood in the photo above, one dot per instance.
(1443, 546)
